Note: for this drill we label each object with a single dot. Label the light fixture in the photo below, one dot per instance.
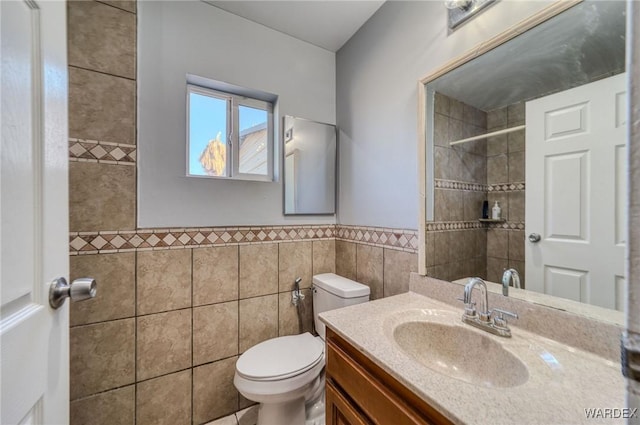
(462, 10)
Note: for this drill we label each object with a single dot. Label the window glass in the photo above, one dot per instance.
(208, 148)
(254, 139)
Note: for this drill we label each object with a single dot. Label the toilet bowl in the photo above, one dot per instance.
(286, 374)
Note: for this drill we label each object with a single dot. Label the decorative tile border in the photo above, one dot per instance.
(83, 150)
(507, 225)
(155, 239)
(399, 239)
(457, 185)
(506, 187)
(439, 226)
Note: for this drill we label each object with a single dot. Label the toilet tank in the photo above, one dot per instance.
(331, 291)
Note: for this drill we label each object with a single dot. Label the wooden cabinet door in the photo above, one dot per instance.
(339, 411)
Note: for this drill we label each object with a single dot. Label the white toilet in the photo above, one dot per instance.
(286, 374)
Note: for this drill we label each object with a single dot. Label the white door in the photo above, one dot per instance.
(34, 338)
(576, 193)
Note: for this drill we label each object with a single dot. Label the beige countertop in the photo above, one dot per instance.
(562, 381)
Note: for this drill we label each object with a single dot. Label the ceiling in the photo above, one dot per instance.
(581, 45)
(327, 24)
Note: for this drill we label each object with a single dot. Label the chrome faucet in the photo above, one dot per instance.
(492, 321)
(510, 274)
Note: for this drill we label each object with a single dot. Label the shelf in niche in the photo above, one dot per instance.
(491, 220)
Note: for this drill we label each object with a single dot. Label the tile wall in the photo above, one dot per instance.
(465, 175)
(506, 184)
(456, 241)
(176, 307)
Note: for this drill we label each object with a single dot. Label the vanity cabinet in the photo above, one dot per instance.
(359, 392)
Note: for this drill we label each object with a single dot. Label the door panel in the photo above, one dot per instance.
(576, 192)
(33, 337)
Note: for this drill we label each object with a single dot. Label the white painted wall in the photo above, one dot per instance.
(377, 73)
(176, 38)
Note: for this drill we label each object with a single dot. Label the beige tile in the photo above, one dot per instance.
(346, 259)
(515, 114)
(215, 275)
(456, 132)
(456, 244)
(214, 394)
(248, 416)
(496, 119)
(441, 131)
(456, 109)
(101, 197)
(128, 5)
(102, 357)
(497, 145)
(516, 245)
(498, 243)
(244, 403)
(430, 242)
(101, 38)
(441, 104)
(115, 275)
(495, 268)
(258, 270)
(294, 261)
(215, 332)
(441, 247)
(516, 167)
(164, 280)
(441, 162)
(369, 268)
(294, 320)
(116, 407)
(227, 420)
(497, 169)
(163, 343)
(165, 400)
(324, 257)
(398, 266)
(456, 205)
(442, 211)
(516, 206)
(258, 320)
(517, 141)
(473, 205)
(101, 107)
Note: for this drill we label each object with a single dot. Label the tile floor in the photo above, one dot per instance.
(247, 416)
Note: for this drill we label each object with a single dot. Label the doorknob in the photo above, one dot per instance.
(80, 289)
(534, 238)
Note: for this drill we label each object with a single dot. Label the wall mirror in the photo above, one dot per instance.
(309, 167)
(552, 102)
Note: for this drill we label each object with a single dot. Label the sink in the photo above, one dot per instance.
(460, 353)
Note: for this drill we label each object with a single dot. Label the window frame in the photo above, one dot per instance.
(232, 138)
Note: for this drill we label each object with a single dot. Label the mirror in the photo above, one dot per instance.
(551, 87)
(309, 167)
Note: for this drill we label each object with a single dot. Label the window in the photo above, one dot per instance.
(228, 135)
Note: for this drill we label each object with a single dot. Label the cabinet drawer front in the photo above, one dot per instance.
(340, 411)
(371, 395)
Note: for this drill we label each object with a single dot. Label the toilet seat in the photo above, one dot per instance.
(281, 358)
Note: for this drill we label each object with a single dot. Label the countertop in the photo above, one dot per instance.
(563, 381)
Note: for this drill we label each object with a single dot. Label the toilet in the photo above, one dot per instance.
(286, 374)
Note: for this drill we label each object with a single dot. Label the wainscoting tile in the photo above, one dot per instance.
(101, 107)
(288, 317)
(101, 197)
(324, 257)
(258, 320)
(163, 343)
(116, 407)
(398, 266)
(102, 38)
(215, 332)
(115, 275)
(346, 259)
(165, 400)
(214, 394)
(258, 270)
(369, 269)
(294, 261)
(102, 357)
(215, 275)
(164, 280)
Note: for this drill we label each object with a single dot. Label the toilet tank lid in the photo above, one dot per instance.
(340, 286)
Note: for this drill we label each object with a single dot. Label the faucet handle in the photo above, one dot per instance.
(500, 321)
